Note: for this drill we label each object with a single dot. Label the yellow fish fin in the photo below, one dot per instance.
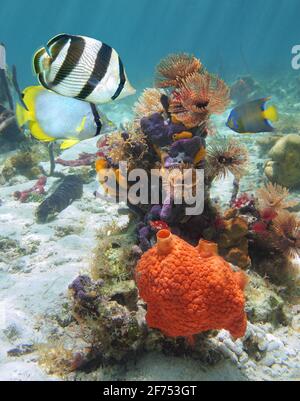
(38, 133)
(29, 96)
(271, 114)
(22, 115)
(68, 143)
(80, 128)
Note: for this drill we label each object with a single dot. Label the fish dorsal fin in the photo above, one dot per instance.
(55, 45)
(69, 143)
(58, 40)
(271, 114)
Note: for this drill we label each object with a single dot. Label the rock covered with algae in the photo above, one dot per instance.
(106, 304)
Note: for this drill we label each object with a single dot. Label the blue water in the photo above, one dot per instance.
(229, 36)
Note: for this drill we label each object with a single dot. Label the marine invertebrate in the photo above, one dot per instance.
(260, 227)
(243, 201)
(159, 225)
(226, 155)
(233, 242)
(190, 290)
(190, 147)
(268, 214)
(84, 159)
(175, 67)
(158, 131)
(275, 197)
(130, 147)
(38, 189)
(149, 103)
(197, 97)
(70, 189)
(286, 227)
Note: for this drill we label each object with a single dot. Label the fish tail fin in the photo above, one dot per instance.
(41, 61)
(271, 114)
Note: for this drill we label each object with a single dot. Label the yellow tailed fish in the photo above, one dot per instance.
(52, 117)
(253, 117)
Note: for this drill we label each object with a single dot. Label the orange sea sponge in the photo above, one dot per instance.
(190, 290)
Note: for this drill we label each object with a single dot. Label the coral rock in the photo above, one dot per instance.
(233, 242)
(190, 290)
(284, 166)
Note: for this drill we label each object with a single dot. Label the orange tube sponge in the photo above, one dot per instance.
(190, 290)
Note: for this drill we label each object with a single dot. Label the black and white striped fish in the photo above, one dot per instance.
(82, 68)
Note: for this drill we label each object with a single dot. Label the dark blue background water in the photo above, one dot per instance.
(230, 36)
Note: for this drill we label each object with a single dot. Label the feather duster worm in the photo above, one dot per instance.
(149, 103)
(197, 97)
(274, 197)
(226, 156)
(286, 227)
(175, 67)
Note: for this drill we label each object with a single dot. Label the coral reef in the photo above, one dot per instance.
(284, 166)
(264, 303)
(233, 242)
(169, 281)
(190, 290)
(24, 163)
(106, 305)
(113, 258)
(107, 319)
